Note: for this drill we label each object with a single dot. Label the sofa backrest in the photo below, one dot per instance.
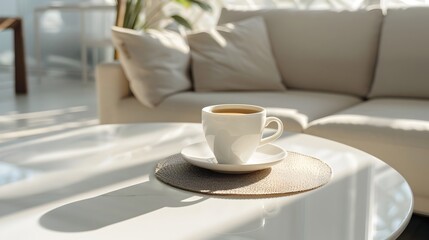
(403, 62)
(321, 50)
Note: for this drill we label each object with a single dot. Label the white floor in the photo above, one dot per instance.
(54, 104)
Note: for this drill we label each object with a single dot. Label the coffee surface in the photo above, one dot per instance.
(235, 111)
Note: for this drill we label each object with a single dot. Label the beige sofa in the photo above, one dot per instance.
(360, 78)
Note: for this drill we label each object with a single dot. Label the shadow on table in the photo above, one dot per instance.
(114, 207)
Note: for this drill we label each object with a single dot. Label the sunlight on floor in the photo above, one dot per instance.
(54, 104)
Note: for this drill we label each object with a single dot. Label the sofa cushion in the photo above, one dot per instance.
(152, 79)
(236, 56)
(394, 130)
(403, 63)
(321, 50)
(294, 108)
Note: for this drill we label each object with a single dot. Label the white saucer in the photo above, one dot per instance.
(200, 155)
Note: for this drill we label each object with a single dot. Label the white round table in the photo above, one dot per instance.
(98, 183)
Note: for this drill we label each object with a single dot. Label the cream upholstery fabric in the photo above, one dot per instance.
(321, 50)
(156, 63)
(403, 63)
(236, 56)
(295, 108)
(394, 130)
(112, 87)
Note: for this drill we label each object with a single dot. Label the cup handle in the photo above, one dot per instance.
(276, 135)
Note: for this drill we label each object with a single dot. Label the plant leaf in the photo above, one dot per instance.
(134, 18)
(182, 21)
(185, 3)
(127, 13)
(203, 5)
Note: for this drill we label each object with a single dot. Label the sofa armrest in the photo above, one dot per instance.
(112, 87)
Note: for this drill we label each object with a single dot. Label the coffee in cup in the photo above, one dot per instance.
(234, 131)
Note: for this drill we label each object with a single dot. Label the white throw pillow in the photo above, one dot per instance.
(235, 56)
(156, 63)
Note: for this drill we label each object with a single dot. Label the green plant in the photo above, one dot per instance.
(153, 14)
(132, 13)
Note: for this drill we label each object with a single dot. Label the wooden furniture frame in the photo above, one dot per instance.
(20, 70)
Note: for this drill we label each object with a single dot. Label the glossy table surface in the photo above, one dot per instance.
(98, 183)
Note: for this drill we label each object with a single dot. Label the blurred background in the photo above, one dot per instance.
(72, 36)
(53, 33)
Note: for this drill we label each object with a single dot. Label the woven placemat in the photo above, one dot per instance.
(296, 173)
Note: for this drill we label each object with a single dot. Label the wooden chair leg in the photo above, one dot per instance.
(20, 68)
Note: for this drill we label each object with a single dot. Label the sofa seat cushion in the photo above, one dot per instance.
(394, 130)
(294, 108)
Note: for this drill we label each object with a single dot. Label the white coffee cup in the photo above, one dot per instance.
(234, 131)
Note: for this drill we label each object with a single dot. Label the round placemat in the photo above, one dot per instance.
(296, 173)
